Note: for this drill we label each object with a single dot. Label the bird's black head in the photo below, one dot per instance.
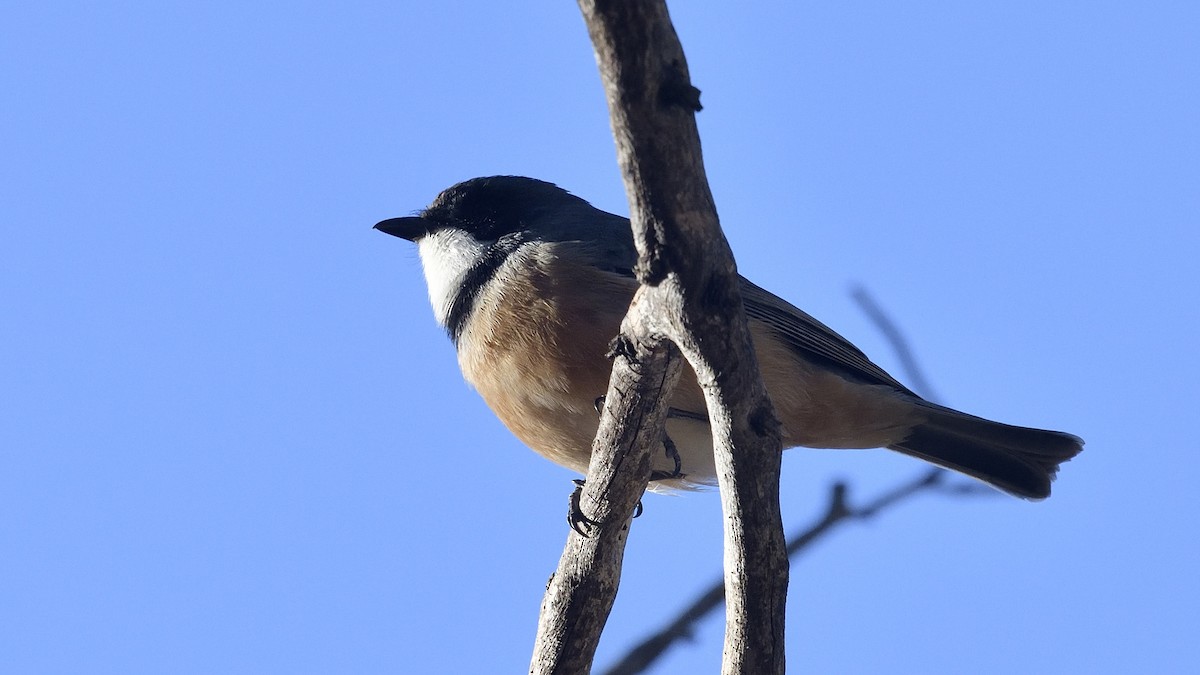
(488, 208)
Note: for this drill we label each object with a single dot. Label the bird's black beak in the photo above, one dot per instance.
(411, 228)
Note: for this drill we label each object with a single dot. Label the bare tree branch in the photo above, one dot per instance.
(580, 595)
(684, 256)
(837, 512)
(689, 279)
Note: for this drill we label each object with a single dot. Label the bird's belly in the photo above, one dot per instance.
(540, 361)
(540, 409)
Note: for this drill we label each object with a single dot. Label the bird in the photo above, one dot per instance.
(531, 283)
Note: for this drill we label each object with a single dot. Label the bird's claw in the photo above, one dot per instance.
(575, 516)
(673, 454)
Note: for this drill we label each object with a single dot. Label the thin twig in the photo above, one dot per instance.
(899, 343)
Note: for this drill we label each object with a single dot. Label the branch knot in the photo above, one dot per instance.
(677, 90)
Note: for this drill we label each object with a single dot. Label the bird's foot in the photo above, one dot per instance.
(673, 454)
(576, 517)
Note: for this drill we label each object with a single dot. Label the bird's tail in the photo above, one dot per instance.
(1017, 460)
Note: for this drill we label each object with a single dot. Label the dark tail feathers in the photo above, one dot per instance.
(1018, 460)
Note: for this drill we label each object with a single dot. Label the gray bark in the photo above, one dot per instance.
(689, 296)
(580, 594)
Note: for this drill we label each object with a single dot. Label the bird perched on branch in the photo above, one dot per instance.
(532, 282)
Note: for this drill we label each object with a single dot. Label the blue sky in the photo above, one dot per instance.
(232, 438)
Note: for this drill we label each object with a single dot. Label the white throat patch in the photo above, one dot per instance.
(446, 255)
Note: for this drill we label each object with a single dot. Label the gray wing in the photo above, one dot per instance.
(811, 338)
